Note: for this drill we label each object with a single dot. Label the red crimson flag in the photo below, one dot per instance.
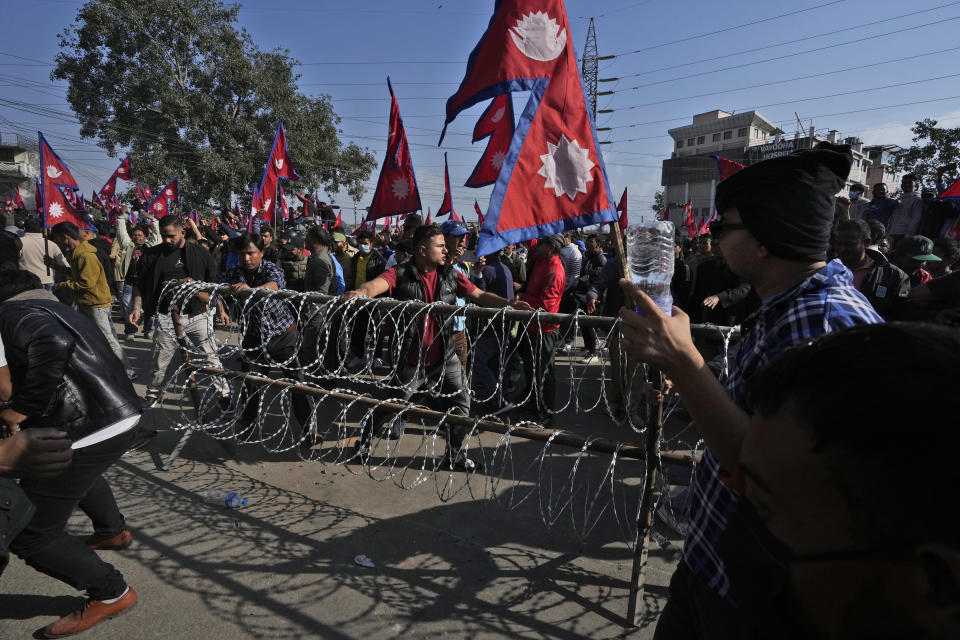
(160, 206)
(57, 183)
(688, 220)
(428, 220)
(122, 172)
(726, 167)
(953, 191)
(497, 124)
(397, 190)
(53, 169)
(284, 210)
(279, 162)
(705, 225)
(447, 205)
(265, 200)
(17, 198)
(622, 208)
(476, 207)
(553, 177)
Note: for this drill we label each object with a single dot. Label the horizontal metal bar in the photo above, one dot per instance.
(562, 438)
(470, 311)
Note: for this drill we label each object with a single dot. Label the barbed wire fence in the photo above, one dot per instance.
(349, 369)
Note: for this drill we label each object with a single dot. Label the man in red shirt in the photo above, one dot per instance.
(539, 342)
(427, 359)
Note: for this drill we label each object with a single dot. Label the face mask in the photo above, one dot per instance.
(757, 563)
(364, 248)
(854, 195)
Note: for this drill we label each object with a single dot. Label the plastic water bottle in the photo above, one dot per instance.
(650, 260)
(230, 499)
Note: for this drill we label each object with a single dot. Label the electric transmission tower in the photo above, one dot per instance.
(590, 69)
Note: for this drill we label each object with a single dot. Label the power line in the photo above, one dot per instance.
(727, 29)
(785, 80)
(794, 41)
(824, 115)
(789, 55)
(795, 100)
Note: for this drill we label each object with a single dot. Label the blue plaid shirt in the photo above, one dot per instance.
(272, 317)
(826, 301)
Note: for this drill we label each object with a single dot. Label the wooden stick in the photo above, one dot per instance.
(648, 504)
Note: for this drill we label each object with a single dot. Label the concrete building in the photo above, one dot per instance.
(881, 169)
(19, 166)
(691, 173)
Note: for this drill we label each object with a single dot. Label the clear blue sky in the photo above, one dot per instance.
(694, 56)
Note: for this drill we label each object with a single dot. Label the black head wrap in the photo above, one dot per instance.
(787, 203)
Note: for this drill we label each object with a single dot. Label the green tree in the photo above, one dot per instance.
(658, 203)
(935, 147)
(177, 85)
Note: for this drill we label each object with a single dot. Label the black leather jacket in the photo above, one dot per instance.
(63, 371)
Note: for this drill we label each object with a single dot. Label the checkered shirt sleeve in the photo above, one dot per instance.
(272, 317)
(827, 301)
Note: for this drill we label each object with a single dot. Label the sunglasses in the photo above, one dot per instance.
(718, 227)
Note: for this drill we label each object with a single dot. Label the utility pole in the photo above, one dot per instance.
(590, 68)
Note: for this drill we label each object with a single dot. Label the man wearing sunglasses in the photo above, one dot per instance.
(778, 245)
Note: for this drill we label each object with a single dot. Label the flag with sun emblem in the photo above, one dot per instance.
(56, 183)
(553, 177)
(160, 206)
(397, 190)
(497, 124)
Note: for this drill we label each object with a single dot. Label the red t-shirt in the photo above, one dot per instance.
(545, 288)
(431, 349)
(859, 273)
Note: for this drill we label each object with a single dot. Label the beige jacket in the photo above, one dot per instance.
(31, 257)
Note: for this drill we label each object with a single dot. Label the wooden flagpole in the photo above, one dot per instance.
(648, 500)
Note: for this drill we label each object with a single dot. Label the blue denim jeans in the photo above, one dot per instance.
(126, 299)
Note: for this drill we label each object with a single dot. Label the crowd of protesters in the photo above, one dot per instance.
(791, 528)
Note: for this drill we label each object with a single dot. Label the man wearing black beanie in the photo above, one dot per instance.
(774, 230)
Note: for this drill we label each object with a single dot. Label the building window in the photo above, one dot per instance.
(679, 144)
(700, 140)
(689, 142)
(715, 138)
(741, 133)
(727, 135)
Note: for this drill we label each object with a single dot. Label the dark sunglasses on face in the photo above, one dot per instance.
(718, 227)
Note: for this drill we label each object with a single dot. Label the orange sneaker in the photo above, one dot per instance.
(92, 612)
(120, 541)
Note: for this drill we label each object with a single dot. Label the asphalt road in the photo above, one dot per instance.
(454, 557)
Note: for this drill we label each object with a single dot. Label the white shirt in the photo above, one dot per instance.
(3, 355)
(905, 218)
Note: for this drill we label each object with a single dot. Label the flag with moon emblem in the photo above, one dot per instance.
(496, 123)
(553, 177)
(56, 183)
